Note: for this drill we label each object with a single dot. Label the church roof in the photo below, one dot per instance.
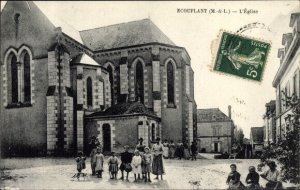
(124, 35)
(125, 109)
(108, 37)
(83, 58)
(211, 115)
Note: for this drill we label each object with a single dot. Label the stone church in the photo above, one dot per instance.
(61, 86)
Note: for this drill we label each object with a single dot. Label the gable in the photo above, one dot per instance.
(211, 115)
(32, 28)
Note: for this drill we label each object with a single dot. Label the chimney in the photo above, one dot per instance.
(229, 111)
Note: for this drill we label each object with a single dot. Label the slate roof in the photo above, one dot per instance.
(83, 58)
(124, 35)
(210, 115)
(257, 134)
(108, 37)
(124, 109)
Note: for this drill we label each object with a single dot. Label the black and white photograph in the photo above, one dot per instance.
(150, 95)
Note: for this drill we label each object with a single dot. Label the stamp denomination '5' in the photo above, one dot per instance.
(241, 56)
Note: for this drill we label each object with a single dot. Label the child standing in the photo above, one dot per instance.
(80, 159)
(136, 164)
(147, 160)
(126, 159)
(99, 160)
(113, 164)
(233, 179)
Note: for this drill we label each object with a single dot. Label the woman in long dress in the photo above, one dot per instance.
(172, 148)
(166, 149)
(157, 166)
(179, 150)
(186, 151)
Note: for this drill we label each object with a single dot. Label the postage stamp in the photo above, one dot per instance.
(241, 56)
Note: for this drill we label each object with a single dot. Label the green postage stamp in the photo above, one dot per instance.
(241, 56)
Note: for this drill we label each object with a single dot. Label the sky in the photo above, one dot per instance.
(196, 32)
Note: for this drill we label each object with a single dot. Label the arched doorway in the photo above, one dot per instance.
(106, 138)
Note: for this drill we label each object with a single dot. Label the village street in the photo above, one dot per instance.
(56, 173)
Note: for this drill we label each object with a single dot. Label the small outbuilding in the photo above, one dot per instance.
(122, 124)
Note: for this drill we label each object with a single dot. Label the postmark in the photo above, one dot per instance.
(241, 56)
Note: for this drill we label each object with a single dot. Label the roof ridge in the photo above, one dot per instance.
(208, 109)
(113, 25)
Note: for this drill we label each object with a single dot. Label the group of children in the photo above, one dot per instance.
(140, 164)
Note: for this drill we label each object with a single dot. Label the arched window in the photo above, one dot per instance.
(14, 80)
(153, 131)
(89, 91)
(139, 81)
(170, 82)
(27, 83)
(17, 20)
(111, 80)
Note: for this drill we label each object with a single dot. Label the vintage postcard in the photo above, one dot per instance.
(150, 95)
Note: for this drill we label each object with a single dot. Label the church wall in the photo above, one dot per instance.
(171, 117)
(24, 128)
(145, 55)
(34, 29)
(113, 59)
(87, 72)
(131, 55)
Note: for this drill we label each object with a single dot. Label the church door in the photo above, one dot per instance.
(106, 138)
(216, 147)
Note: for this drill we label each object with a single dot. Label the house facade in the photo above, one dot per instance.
(269, 122)
(287, 78)
(215, 130)
(60, 86)
(257, 141)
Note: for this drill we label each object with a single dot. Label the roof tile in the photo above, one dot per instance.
(124, 35)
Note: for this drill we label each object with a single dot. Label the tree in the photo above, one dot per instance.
(287, 149)
(239, 137)
(238, 142)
